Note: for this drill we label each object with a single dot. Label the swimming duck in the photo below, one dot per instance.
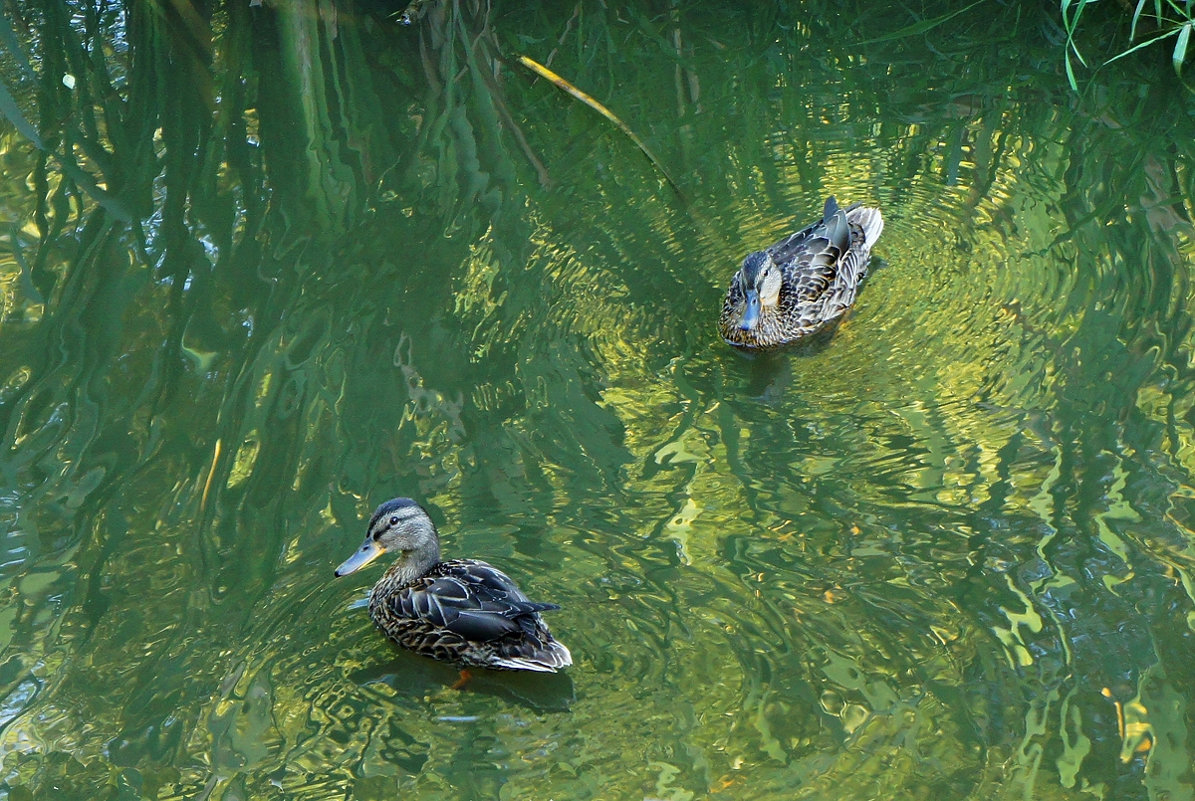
(803, 282)
(462, 611)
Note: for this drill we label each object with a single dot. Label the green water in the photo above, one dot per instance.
(266, 267)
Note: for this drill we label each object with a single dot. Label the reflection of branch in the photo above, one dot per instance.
(487, 43)
(500, 104)
(588, 100)
(568, 26)
(70, 168)
(683, 75)
(458, 40)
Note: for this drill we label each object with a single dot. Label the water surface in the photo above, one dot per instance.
(300, 261)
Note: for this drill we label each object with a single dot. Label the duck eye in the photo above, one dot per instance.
(394, 521)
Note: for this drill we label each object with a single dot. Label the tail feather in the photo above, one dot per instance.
(870, 221)
(548, 659)
(835, 222)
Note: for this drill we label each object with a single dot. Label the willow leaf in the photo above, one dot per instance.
(921, 27)
(1180, 49)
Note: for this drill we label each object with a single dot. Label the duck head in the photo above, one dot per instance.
(400, 526)
(759, 280)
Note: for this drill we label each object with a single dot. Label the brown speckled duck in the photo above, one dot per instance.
(803, 282)
(462, 611)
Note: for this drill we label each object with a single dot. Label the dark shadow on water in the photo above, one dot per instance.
(766, 375)
(411, 674)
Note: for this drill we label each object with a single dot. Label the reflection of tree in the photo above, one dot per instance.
(270, 281)
(218, 144)
(191, 359)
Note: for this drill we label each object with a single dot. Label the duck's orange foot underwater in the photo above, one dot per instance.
(460, 683)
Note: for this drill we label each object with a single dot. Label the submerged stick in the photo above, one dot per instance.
(564, 85)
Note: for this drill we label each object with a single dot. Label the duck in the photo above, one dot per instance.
(462, 611)
(803, 283)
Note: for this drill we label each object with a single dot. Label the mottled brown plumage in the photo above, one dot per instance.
(803, 282)
(462, 611)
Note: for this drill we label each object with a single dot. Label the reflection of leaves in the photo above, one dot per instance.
(66, 163)
(808, 584)
(467, 121)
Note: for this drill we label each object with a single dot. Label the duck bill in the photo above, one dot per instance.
(363, 556)
(751, 313)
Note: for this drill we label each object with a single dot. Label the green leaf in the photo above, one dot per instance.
(1140, 45)
(1136, 16)
(1180, 49)
(921, 27)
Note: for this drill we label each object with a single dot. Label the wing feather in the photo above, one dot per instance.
(469, 598)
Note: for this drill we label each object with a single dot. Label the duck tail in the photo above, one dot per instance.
(548, 658)
(870, 221)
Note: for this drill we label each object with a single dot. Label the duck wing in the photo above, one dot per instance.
(821, 243)
(470, 598)
(819, 263)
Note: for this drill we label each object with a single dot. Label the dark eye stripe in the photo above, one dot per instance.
(391, 515)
